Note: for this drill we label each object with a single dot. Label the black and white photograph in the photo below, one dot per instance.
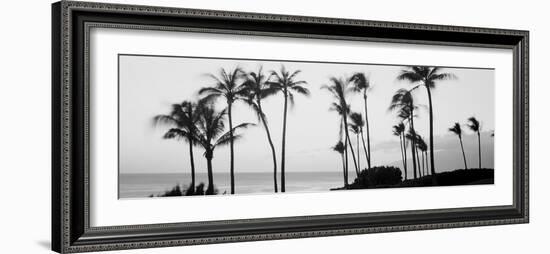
(194, 126)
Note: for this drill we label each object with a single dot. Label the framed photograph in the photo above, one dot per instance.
(182, 126)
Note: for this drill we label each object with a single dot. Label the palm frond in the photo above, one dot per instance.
(474, 124)
(339, 147)
(409, 76)
(456, 129)
(357, 119)
(300, 90)
(175, 133)
(164, 120)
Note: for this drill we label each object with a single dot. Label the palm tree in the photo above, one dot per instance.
(403, 102)
(339, 89)
(458, 131)
(357, 125)
(361, 84)
(423, 147)
(229, 86)
(183, 119)
(355, 129)
(427, 77)
(411, 136)
(420, 166)
(285, 82)
(259, 89)
(340, 148)
(474, 125)
(336, 107)
(399, 130)
(210, 134)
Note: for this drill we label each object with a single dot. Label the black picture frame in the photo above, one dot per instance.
(71, 231)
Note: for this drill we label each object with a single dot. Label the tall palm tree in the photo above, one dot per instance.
(182, 118)
(458, 131)
(259, 89)
(474, 125)
(227, 85)
(336, 107)
(340, 148)
(427, 77)
(361, 84)
(339, 89)
(210, 134)
(399, 130)
(284, 82)
(403, 102)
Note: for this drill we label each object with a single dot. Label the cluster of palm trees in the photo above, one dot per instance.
(403, 103)
(200, 124)
(474, 125)
(341, 89)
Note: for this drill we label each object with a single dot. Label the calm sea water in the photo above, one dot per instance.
(144, 185)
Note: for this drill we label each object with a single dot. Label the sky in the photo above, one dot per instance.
(149, 85)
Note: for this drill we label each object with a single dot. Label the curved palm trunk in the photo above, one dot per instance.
(192, 161)
(401, 149)
(368, 129)
(463, 154)
(353, 156)
(232, 153)
(344, 169)
(358, 152)
(210, 189)
(271, 146)
(418, 160)
(479, 148)
(365, 147)
(349, 142)
(432, 160)
(283, 189)
(346, 172)
(413, 145)
(404, 149)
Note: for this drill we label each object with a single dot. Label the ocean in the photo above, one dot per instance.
(144, 185)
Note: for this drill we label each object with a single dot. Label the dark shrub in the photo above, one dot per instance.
(189, 191)
(378, 177)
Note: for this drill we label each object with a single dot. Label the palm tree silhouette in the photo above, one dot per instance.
(426, 76)
(361, 84)
(183, 119)
(403, 102)
(210, 134)
(285, 82)
(339, 89)
(458, 131)
(356, 129)
(340, 148)
(423, 147)
(411, 136)
(259, 89)
(336, 107)
(357, 124)
(399, 130)
(229, 86)
(474, 125)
